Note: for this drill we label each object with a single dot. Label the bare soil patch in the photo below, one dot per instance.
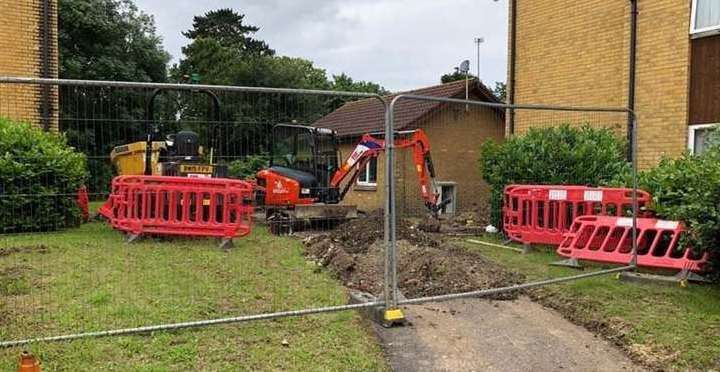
(428, 265)
(13, 280)
(617, 331)
(471, 222)
(7, 251)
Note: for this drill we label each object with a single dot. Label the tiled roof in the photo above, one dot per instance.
(367, 115)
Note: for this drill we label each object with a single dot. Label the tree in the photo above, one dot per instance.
(500, 91)
(105, 40)
(109, 40)
(345, 83)
(223, 52)
(226, 27)
(455, 76)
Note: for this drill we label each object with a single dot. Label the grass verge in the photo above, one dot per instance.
(668, 328)
(88, 279)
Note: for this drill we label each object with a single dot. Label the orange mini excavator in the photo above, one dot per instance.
(305, 181)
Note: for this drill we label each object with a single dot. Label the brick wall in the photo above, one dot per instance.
(576, 53)
(21, 49)
(455, 137)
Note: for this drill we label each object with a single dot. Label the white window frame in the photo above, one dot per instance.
(366, 171)
(691, 133)
(700, 32)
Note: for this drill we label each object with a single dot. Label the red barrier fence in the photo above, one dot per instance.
(609, 239)
(541, 214)
(83, 202)
(201, 207)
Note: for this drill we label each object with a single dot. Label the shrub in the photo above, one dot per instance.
(248, 166)
(559, 155)
(39, 178)
(688, 189)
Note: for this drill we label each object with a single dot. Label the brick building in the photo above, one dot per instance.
(578, 53)
(28, 48)
(455, 133)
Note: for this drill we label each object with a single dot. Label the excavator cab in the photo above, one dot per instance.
(302, 165)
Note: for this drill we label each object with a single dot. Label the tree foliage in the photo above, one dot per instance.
(455, 76)
(109, 40)
(500, 91)
(226, 27)
(345, 83)
(223, 50)
(248, 166)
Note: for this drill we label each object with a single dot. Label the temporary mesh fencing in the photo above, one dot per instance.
(456, 128)
(60, 277)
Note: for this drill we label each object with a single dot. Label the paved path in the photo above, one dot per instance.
(483, 335)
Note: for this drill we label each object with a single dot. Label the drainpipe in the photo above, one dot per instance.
(631, 71)
(511, 78)
(45, 31)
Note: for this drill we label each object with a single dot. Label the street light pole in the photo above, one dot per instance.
(465, 69)
(478, 41)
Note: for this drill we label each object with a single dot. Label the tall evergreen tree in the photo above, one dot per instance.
(226, 27)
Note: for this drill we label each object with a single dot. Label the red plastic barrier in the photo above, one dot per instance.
(83, 203)
(609, 239)
(535, 214)
(206, 207)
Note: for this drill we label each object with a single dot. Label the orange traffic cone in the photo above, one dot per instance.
(28, 363)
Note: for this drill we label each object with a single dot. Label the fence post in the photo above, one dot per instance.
(634, 165)
(391, 314)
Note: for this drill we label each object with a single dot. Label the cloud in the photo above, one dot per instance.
(401, 44)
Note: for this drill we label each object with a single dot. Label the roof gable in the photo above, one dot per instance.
(368, 115)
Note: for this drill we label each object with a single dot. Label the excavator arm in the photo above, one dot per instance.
(370, 147)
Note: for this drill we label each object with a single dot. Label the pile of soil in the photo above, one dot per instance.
(427, 265)
(357, 235)
(470, 222)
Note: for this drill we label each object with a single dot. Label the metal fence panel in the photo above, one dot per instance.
(59, 276)
(456, 129)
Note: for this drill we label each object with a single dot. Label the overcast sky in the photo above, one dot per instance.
(401, 44)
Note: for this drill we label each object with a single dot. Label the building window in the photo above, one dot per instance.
(368, 176)
(705, 17)
(698, 137)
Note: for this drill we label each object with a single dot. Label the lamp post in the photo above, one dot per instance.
(478, 41)
(465, 69)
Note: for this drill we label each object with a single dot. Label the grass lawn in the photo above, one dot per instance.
(88, 279)
(666, 327)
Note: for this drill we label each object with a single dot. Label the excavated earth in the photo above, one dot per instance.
(427, 264)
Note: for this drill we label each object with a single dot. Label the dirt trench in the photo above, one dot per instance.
(427, 264)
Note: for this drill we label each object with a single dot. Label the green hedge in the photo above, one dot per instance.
(688, 189)
(559, 155)
(248, 166)
(39, 178)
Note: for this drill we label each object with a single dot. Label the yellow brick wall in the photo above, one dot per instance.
(576, 53)
(20, 55)
(455, 136)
